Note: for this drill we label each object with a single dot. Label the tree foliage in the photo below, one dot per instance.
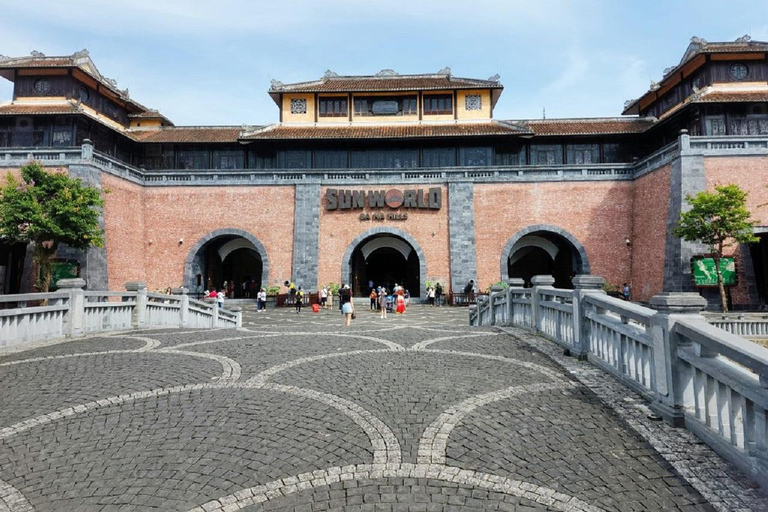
(49, 209)
(717, 219)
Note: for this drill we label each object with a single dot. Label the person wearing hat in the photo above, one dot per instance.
(347, 306)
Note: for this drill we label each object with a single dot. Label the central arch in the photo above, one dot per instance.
(229, 248)
(544, 249)
(384, 242)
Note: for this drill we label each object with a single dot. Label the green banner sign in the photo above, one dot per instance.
(704, 271)
(66, 269)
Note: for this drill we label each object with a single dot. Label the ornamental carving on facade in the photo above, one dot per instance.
(473, 102)
(298, 106)
(387, 72)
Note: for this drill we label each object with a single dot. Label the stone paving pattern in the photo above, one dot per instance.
(417, 412)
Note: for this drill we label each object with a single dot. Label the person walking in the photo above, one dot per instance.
(299, 300)
(625, 291)
(347, 306)
(261, 300)
(400, 302)
(220, 299)
(431, 296)
(373, 296)
(438, 294)
(383, 302)
(324, 297)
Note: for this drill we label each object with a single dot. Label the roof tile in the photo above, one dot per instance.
(182, 134)
(391, 131)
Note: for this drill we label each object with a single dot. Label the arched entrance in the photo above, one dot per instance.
(230, 255)
(384, 257)
(544, 250)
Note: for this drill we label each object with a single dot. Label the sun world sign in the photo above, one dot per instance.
(395, 199)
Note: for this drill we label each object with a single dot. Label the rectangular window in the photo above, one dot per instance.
(385, 158)
(333, 107)
(192, 159)
(386, 106)
(227, 159)
(582, 153)
(330, 159)
(438, 157)
(715, 125)
(476, 157)
(295, 159)
(438, 104)
(510, 156)
(546, 154)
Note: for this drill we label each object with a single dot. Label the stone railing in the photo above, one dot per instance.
(72, 311)
(695, 374)
(746, 325)
(729, 145)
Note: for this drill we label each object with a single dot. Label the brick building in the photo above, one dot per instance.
(398, 178)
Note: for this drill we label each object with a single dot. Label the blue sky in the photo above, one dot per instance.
(211, 62)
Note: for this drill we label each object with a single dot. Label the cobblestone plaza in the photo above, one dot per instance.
(294, 412)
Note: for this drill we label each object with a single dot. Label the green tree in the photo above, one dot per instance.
(49, 209)
(717, 219)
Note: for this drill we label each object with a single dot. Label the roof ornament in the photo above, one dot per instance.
(330, 74)
(668, 70)
(387, 72)
(36, 53)
(628, 103)
(698, 41)
(654, 86)
(445, 71)
(82, 54)
(112, 83)
(276, 84)
(744, 39)
(494, 78)
(125, 93)
(4, 58)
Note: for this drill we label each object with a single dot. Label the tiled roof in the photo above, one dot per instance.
(181, 134)
(23, 109)
(391, 131)
(391, 83)
(726, 96)
(594, 126)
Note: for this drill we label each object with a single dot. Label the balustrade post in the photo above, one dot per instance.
(215, 315)
(74, 320)
(539, 283)
(86, 150)
(495, 290)
(238, 311)
(514, 282)
(139, 314)
(184, 309)
(583, 285)
(670, 308)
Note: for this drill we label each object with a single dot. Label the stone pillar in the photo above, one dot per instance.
(238, 311)
(215, 317)
(74, 321)
(461, 235)
(583, 285)
(306, 235)
(495, 290)
(139, 315)
(670, 308)
(686, 177)
(513, 282)
(184, 309)
(86, 150)
(539, 282)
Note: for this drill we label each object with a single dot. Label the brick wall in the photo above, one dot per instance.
(597, 214)
(124, 237)
(751, 175)
(189, 213)
(339, 228)
(651, 203)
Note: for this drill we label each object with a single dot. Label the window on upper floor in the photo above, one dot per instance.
(546, 154)
(582, 153)
(386, 106)
(438, 104)
(333, 107)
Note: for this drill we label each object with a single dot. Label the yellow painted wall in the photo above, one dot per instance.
(309, 117)
(146, 123)
(485, 99)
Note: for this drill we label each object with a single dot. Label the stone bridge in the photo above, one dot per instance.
(418, 412)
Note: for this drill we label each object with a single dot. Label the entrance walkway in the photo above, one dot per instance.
(295, 412)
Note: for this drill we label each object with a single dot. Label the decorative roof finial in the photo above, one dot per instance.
(698, 41)
(445, 71)
(81, 54)
(276, 84)
(330, 74)
(4, 58)
(37, 54)
(387, 72)
(654, 86)
(494, 78)
(628, 103)
(744, 39)
(668, 70)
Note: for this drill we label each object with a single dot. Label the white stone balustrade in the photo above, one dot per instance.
(694, 374)
(71, 311)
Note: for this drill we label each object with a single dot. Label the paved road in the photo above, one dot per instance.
(295, 412)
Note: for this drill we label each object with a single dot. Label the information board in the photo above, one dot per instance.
(704, 271)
